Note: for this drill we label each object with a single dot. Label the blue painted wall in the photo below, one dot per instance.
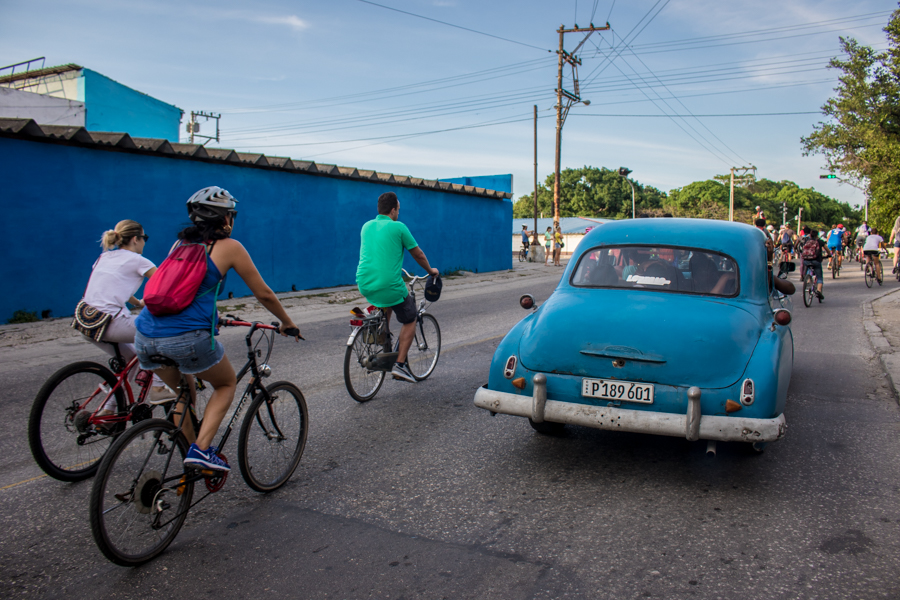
(300, 229)
(112, 106)
(501, 183)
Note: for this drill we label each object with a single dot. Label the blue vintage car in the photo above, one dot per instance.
(661, 326)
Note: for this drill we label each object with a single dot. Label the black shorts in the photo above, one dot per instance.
(406, 310)
(871, 252)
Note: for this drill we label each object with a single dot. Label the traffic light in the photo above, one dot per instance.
(624, 172)
(829, 176)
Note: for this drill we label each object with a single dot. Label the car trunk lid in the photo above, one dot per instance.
(652, 337)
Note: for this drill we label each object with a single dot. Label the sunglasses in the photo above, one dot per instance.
(144, 237)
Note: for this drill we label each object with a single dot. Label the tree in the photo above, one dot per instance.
(861, 138)
(590, 192)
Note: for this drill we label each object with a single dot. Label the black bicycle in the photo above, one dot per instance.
(810, 280)
(143, 491)
(523, 254)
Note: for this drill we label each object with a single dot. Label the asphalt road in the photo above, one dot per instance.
(418, 494)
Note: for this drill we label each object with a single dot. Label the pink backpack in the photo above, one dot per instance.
(175, 283)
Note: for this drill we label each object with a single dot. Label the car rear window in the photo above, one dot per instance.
(660, 268)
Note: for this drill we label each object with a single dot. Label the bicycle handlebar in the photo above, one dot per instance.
(291, 332)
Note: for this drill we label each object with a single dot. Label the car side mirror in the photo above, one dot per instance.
(527, 302)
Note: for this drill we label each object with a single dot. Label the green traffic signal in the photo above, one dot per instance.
(829, 176)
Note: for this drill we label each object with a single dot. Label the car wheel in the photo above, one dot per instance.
(758, 447)
(548, 427)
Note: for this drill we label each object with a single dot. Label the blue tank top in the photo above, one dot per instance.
(200, 314)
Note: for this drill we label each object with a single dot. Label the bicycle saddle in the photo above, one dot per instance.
(163, 360)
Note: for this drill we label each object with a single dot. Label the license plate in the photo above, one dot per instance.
(611, 389)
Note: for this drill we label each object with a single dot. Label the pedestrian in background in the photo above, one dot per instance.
(557, 246)
(548, 238)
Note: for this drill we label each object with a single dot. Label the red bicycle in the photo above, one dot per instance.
(80, 411)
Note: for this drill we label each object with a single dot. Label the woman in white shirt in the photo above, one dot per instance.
(115, 278)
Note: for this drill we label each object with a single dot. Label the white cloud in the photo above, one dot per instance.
(292, 21)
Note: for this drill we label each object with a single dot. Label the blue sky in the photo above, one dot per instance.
(354, 84)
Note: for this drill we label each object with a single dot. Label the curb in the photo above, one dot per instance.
(890, 362)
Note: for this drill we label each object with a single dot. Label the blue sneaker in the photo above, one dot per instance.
(205, 459)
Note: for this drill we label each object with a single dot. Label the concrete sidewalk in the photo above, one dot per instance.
(881, 318)
(304, 306)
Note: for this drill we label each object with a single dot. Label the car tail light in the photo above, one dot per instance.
(355, 323)
(527, 301)
(782, 316)
(748, 392)
(510, 369)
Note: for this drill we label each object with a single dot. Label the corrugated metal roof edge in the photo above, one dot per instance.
(122, 142)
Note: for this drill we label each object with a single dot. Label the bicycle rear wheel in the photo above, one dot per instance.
(63, 441)
(141, 495)
(870, 274)
(426, 347)
(834, 267)
(362, 382)
(808, 290)
(273, 436)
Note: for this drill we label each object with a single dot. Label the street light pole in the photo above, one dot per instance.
(624, 173)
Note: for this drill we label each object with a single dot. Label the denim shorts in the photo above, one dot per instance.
(193, 351)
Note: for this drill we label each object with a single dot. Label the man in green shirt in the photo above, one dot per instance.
(379, 275)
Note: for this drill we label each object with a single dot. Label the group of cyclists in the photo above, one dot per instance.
(812, 247)
(188, 337)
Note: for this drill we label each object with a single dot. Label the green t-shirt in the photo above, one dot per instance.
(379, 275)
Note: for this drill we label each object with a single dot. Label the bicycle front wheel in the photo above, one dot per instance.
(64, 443)
(362, 382)
(273, 436)
(141, 495)
(809, 289)
(870, 275)
(426, 347)
(521, 256)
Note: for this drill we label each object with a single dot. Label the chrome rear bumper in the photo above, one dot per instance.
(539, 408)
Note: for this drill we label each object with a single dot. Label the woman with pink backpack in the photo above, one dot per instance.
(181, 324)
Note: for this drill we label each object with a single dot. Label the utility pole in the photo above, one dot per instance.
(784, 213)
(193, 127)
(741, 178)
(535, 177)
(571, 97)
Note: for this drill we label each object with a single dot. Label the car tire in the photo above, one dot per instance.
(548, 427)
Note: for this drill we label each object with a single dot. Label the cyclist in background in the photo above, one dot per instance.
(187, 337)
(525, 239)
(895, 240)
(379, 275)
(872, 249)
(835, 237)
(861, 233)
(812, 258)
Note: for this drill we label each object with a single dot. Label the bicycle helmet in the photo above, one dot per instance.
(210, 204)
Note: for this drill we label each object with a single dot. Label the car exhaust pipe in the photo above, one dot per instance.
(711, 448)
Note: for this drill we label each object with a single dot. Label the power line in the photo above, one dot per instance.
(772, 114)
(452, 25)
(649, 70)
